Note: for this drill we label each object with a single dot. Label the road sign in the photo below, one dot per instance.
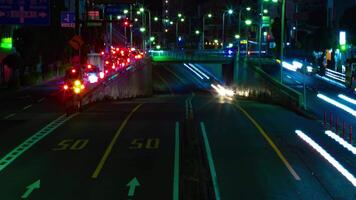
(67, 19)
(76, 42)
(21, 12)
(115, 10)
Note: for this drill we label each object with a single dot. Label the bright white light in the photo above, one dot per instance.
(93, 78)
(342, 37)
(327, 156)
(222, 91)
(297, 64)
(335, 72)
(309, 69)
(196, 73)
(341, 141)
(197, 69)
(346, 98)
(289, 66)
(335, 76)
(331, 81)
(337, 104)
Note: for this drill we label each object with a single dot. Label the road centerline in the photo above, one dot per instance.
(270, 142)
(112, 143)
(176, 164)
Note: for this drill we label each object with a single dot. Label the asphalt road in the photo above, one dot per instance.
(131, 149)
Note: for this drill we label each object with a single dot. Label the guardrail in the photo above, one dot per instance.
(190, 56)
(279, 92)
(135, 81)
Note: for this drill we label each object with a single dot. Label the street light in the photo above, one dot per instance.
(209, 15)
(155, 19)
(197, 32)
(126, 11)
(248, 22)
(177, 24)
(142, 29)
(230, 12)
(179, 15)
(237, 36)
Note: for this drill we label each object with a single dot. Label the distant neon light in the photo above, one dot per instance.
(341, 141)
(328, 157)
(346, 98)
(196, 68)
(196, 73)
(337, 104)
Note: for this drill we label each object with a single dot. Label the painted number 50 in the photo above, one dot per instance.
(150, 143)
(71, 145)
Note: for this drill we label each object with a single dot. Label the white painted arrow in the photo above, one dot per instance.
(30, 188)
(132, 186)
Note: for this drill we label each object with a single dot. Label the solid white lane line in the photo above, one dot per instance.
(210, 161)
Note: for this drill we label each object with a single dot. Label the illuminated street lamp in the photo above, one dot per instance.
(209, 15)
(126, 11)
(142, 29)
(248, 22)
(197, 32)
(155, 19)
(237, 36)
(230, 12)
(179, 15)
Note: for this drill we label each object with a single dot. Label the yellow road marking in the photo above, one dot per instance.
(112, 143)
(270, 142)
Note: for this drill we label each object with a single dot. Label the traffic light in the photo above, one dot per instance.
(126, 23)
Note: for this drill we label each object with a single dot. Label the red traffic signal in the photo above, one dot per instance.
(126, 23)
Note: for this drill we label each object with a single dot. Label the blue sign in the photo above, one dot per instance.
(25, 12)
(68, 19)
(115, 10)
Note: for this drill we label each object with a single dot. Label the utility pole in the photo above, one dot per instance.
(282, 35)
(131, 41)
(260, 30)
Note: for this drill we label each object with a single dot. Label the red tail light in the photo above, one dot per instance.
(128, 60)
(65, 87)
(73, 70)
(89, 66)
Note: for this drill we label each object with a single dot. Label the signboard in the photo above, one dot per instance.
(115, 1)
(25, 12)
(67, 19)
(76, 42)
(115, 10)
(266, 21)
